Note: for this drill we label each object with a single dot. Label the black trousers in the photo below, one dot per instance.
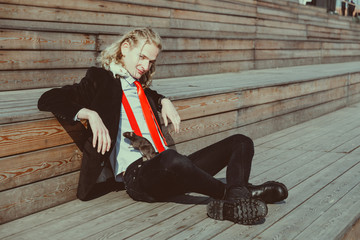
(170, 173)
(331, 5)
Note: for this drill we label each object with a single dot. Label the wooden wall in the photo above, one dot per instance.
(45, 44)
(43, 40)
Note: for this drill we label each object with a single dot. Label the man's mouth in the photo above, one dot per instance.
(140, 72)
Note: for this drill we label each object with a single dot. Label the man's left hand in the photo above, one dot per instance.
(168, 111)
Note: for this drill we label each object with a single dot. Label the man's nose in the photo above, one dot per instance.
(146, 65)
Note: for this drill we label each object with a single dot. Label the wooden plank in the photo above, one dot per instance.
(336, 53)
(209, 228)
(116, 29)
(31, 40)
(262, 128)
(342, 46)
(120, 206)
(207, 105)
(85, 17)
(249, 98)
(30, 136)
(32, 79)
(264, 11)
(281, 54)
(49, 216)
(36, 166)
(353, 99)
(121, 216)
(353, 232)
(187, 219)
(270, 94)
(183, 70)
(46, 14)
(207, 125)
(303, 183)
(131, 223)
(22, 201)
(281, 31)
(314, 208)
(280, 63)
(307, 188)
(98, 6)
(347, 59)
(185, 57)
(279, 44)
(354, 78)
(282, 6)
(12, 60)
(309, 130)
(149, 8)
(187, 44)
(225, 7)
(195, 128)
(211, 17)
(238, 229)
(281, 24)
(348, 146)
(214, 26)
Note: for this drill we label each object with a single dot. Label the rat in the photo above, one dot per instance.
(142, 144)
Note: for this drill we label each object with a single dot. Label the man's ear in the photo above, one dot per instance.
(125, 48)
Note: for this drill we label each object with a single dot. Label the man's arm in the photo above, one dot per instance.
(167, 109)
(66, 102)
(74, 100)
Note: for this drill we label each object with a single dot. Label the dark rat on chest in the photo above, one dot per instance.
(142, 144)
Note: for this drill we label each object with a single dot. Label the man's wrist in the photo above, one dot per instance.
(160, 101)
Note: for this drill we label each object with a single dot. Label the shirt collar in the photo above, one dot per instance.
(118, 69)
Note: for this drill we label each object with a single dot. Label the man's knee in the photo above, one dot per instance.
(242, 139)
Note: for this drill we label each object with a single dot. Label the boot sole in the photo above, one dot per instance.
(243, 211)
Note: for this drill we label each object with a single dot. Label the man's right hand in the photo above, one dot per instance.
(100, 132)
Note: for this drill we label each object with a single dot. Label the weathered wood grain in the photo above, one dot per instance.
(31, 167)
(22, 201)
(35, 79)
(35, 135)
(12, 60)
(98, 6)
(190, 44)
(20, 226)
(307, 174)
(69, 16)
(11, 39)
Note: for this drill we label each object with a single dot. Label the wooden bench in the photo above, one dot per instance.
(42, 47)
(318, 161)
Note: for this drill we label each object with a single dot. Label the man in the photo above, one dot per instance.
(111, 99)
(331, 6)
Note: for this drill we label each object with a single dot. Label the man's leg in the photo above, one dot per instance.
(235, 152)
(171, 173)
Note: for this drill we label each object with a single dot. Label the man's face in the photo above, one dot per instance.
(138, 59)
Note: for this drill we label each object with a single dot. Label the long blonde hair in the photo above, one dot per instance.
(113, 52)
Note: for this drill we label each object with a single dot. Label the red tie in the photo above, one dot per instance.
(149, 116)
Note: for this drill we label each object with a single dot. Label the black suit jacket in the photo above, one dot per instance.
(101, 92)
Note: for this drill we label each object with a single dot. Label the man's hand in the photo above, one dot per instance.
(100, 132)
(168, 111)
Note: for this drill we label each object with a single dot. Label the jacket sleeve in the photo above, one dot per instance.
(154, 97)
(66, 102)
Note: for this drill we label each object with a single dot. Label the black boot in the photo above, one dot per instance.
(238, 207)
(269, 192)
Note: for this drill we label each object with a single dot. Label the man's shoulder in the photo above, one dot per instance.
(98, 71)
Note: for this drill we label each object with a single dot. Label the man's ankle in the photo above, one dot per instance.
(234, 193)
